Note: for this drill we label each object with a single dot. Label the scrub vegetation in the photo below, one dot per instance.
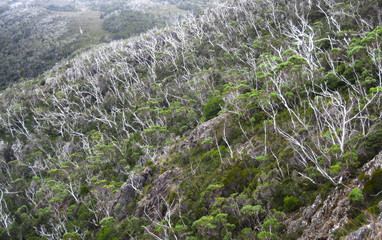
(223, 125)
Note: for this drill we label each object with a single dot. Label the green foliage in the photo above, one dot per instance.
(85, 189)
(128, 23)
(133, 227)
(213, 227)
(205, 223)
(333, 81)
(63, 8)
(264, 235)
(291, 203)
(252, 210)
(261, 158)
(212, 107)
(126, 111)
(108, 229)
(374, 186)
(271, 224)
(71, 236)
(350, 158)
(356, 195)
(208, 141)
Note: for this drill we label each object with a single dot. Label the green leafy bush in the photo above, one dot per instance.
(71, 236)
(212, 107)
(291, 204)
(356, 195)
(271, 224)
(266, 235)
(108, 230)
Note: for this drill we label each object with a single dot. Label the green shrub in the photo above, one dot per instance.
(132, 228)
(271, 224)
(371, 144)
(374, 186)
(85, 189)
(212, 107)
(108, 230)
(252, 210)
(291, 204)
(266, 235)
(356, 195)
(71, 236)
(228, 236)
(373, 141)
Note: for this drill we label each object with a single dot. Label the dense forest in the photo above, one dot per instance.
(250, 120)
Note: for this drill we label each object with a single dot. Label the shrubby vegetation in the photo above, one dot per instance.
(64, 8)
(128, 23)
(219, 127)
(31, 42)
(37, 36)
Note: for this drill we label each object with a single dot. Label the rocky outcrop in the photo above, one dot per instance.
(371, 144)
(322, 218)
(203, 131)
(154, 201)
(319, 219)
(129, 190)
(373, 165)
(130, 187)
(3, 148)
(371, 231)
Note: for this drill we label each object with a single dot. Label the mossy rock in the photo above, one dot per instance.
(373, 186)
(371, 144)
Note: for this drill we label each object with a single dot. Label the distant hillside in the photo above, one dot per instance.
(251, 120)
(38, 34)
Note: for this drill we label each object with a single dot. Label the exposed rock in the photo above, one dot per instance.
(3, 148)
(360, 234)
(372, 165)
(152, 203)
(129, 190)
(309, 211)
(253, 149)
(370, 231)
(322, 218)
(203, 131)
(294, 226)
(380, 206)
(329, 216)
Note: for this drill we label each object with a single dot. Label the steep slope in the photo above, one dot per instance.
(227, 125)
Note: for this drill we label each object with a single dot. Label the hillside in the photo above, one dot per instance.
(36, 34)
(251, 120)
